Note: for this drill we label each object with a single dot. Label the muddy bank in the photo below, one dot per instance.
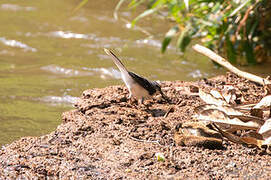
(107, 137)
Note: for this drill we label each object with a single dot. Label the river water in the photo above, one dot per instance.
(49, 55)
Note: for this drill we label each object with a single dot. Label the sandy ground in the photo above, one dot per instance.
(108, 137)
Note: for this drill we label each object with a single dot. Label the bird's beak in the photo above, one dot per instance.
(165, 97)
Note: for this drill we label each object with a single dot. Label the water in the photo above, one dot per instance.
(48, 56)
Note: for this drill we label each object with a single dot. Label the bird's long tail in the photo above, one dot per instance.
(117, 61)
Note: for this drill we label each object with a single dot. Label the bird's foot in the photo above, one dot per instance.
(144, 104)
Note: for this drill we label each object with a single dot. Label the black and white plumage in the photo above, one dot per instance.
(138, 86)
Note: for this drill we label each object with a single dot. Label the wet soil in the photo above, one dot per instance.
(107, 136)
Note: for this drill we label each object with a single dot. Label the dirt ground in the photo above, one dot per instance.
(108, 137)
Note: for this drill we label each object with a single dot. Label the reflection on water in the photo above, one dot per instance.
(64, 71)
(14, 7)
(14, 43)
(68, 35)
(105, 73)
(57, 100)
(198, 74)
(48, 56)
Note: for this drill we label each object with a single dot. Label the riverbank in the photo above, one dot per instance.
(107, 137)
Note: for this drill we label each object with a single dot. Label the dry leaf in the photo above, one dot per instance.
(252, 141)
(246, 118)
(220, 117)
(256, 112)
(230, 96)
(226, 109)
(268, 89)
(194, 89)
(216, 94)
(197, 134)
(265, 129)
(241, 140)
(253, 134)
(267, 141)
(264, 103)
(210, 99)
(198, 129)
(229, 136)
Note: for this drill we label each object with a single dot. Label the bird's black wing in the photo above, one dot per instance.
(146, 84)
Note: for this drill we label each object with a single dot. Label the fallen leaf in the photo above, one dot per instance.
(226, 109)
(210, 99)
(194, 89)
(256, 112)
(265, 129)
(241, 140)
(267, 89)
(267, 141)
(246, 118)
(229, 136)
(252, 141)
(230, 96)
(197, 134)
(216, 94)
(198, 129)
(253, 134)
(264, 103)
(220, 117)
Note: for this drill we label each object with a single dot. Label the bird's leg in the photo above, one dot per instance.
(131, 100)
(141, 104)
(141, 101)
(130, 95)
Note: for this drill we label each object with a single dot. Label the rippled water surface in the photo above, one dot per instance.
(48, 56)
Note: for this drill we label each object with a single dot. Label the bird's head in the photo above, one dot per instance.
(158, 89)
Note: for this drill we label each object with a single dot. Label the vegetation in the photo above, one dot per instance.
(238, 29)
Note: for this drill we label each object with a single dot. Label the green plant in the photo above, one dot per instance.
(235, 28)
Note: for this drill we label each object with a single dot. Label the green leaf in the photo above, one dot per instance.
(145, 13)
(168, 37)
(183, 40)
(158, 3)
(252, 29)
(115, 14)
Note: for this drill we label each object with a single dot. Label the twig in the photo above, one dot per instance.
(145, 141)
(243, 21)
(168, 111)
(212, 55)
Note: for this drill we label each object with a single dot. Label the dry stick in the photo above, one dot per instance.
(218, 59)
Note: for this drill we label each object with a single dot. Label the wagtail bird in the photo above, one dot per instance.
(138, 86)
